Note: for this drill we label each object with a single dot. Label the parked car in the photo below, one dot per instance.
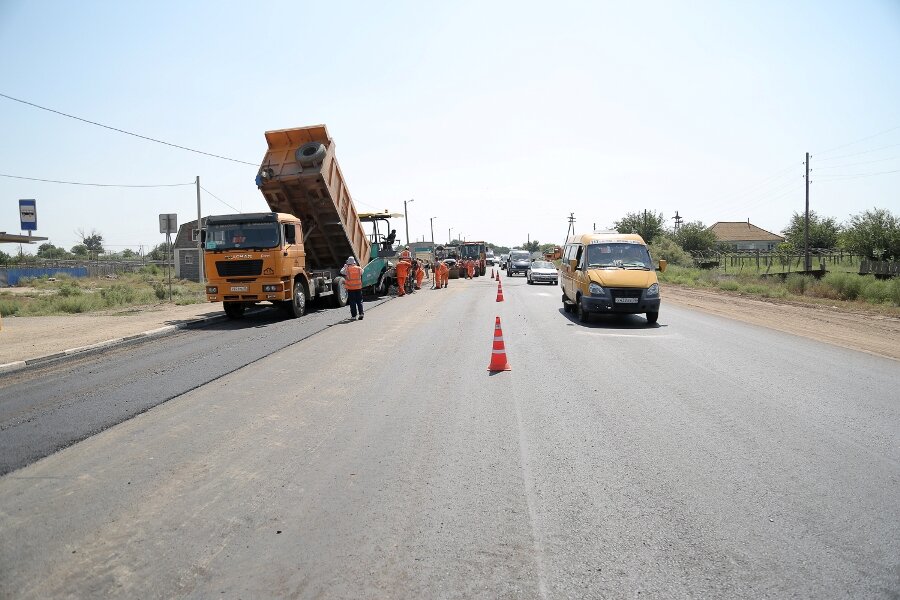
(503, 259)
(518, 262)
(542, 271)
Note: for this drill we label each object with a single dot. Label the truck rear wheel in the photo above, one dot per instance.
(234, 310)
(339, 292)
(297, 304)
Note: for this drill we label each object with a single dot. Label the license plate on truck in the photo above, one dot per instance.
(627, 300)
(240, 288)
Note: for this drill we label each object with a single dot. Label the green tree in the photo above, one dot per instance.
(532, 246)
(646, 224)
(160, 252)
(823, 231)
(80, 250)
(874, 233)
(666, 248)
(4, 257)
(696, 238)
(128, 253)
(93, 242)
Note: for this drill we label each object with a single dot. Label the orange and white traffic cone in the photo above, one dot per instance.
(498, 276)
(499, 292)
(498, 353)
(492, 273)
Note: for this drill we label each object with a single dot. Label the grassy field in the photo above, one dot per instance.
(847, 288)
(68, 295)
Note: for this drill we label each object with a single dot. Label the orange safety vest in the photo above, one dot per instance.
(354, 278)
(405, 255)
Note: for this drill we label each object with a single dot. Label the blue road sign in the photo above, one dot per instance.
(28, 214)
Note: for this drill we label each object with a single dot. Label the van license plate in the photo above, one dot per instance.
(619, 300)
(239, 288)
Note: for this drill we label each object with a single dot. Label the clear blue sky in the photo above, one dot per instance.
(498, 118)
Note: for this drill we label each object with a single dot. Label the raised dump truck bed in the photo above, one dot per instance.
(301, 176)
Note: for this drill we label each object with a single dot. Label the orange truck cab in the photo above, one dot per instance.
(609, 272)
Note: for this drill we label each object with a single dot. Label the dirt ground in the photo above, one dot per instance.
(869, 332)
(23, 338)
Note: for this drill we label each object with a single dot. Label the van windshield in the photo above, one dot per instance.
(618, 255)
(519, 255)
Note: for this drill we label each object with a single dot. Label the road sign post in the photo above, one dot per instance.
(168, 224)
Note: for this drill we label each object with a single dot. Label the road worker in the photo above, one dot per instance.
(405, 254)
(352, 273)
(444, 277)
(470, 269)
(402, 276)
(420, 274)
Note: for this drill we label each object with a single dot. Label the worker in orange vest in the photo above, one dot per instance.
(470, 268)
(402, 275)
(352, 273)
(445, 275)
(420, 274)
(405, 255)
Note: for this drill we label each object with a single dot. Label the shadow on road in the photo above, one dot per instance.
(612, 321)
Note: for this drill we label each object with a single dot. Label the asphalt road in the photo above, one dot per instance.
(699, 458)
(47, 408)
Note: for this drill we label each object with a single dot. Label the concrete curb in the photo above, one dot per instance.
(129, 339)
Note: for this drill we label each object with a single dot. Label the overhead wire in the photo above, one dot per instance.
(857, 164)
(220, 200)
(838, 176)
(119, 185)
(137, 135)
(880, 133)
(859, 153)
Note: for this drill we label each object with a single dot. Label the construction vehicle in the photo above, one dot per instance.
(294, 254)
(476, 251)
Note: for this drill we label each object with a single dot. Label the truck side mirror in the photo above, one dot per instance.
(662, 266)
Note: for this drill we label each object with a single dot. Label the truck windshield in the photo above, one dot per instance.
(470, 252)
(621, 255)
(230, 236)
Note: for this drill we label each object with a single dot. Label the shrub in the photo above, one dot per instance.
(69, 288)
(729, 285)
(848, 286)
(877, 291)
(796, 284)
(9, 308)
(159, 290)
(117, 295)
(665, 248)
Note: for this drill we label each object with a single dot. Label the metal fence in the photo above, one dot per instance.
(766, 263)
(13, 271)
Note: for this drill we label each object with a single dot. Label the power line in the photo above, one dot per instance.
(863, 152)
(857, 175)
(119, 185)
(868, 162)
(143, 137)
(220, 200)
(859, 140)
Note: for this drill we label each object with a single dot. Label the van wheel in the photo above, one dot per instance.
(234, 310)
(583, 315)
(298, 300)
(652, 317)
(567, 308)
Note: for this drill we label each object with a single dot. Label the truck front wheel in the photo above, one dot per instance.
(298, 300)
(234, 310)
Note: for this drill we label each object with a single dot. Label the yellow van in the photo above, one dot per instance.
(609, 272)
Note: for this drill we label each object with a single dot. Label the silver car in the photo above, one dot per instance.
(542, 271)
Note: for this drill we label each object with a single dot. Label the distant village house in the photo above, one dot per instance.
(743, 235)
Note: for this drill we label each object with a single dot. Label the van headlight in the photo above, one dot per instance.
(596, 289)
(652, 291)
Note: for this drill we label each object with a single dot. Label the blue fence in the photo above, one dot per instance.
(11, 277)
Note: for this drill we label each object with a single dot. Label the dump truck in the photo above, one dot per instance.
(293, 255)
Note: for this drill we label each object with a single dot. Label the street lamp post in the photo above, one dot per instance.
(431, 222)
(405, 219)
(449, 237)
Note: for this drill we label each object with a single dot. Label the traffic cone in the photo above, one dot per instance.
(498, 276)
(499, 292)
(498, 353)
(492, 273)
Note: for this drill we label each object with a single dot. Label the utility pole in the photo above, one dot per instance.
(405, 220)
(677, 218)
(431, 222)
(806, 263)
(200, 274)
(571, 229)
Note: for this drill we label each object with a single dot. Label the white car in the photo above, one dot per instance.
(542, 271)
